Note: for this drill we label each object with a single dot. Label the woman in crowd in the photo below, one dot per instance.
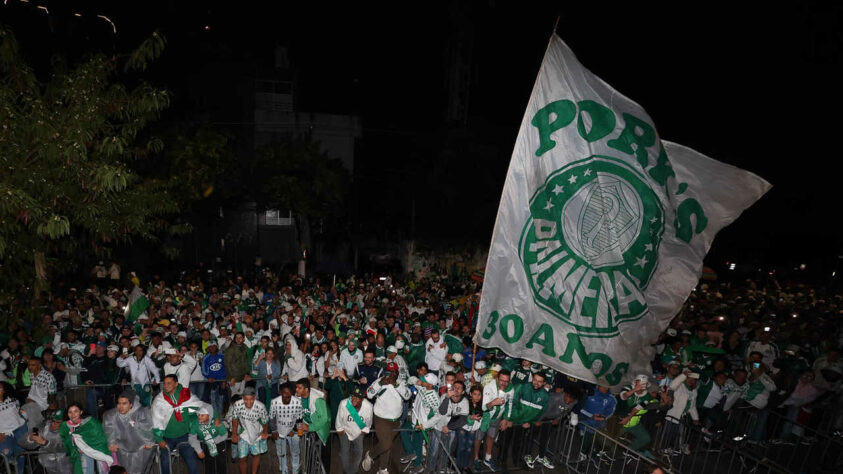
(85, 442)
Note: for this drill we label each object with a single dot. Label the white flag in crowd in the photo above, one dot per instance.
(601, 230)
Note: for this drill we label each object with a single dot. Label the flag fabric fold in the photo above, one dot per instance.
(138, 304)
(601, 229)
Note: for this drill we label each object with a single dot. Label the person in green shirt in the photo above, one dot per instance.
(170, 427)
(526, 408)
(634, 402)
(315, 417)
(521, 375)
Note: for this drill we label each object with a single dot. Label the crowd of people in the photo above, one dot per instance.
(214, 371)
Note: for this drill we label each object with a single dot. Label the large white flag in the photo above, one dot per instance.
(602, 228)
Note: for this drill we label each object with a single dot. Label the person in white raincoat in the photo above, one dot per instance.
(128, 428)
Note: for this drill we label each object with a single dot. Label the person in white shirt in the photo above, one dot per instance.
(158, 347)
(350, 357)
(389, 396)
(684, 388)
(249, 428)
(284, 410)
(143, 373)
(295, 363)
(353, 422)
(769, 351)
(180, 364)
(435, 351)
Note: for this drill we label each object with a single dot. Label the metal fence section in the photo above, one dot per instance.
(311, 457)
(785, 441)
(684, 447)
(583, 449)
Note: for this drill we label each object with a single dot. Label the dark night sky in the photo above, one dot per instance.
(751, 86)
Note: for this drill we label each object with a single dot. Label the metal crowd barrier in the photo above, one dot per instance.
(583, 449)
(789, 443)
(685, 448)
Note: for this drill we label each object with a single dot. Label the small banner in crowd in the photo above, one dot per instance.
(137, 304)
(601, 230)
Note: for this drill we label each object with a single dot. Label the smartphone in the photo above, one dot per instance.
(36, 431)
(756, 365)
(93, 347)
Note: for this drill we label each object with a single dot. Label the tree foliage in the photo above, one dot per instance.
(70, 150)
(297, 176)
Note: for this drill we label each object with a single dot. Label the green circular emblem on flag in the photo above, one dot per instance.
(591, 244)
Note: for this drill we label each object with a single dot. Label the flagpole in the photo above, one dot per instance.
(473, 359)
(556, 25)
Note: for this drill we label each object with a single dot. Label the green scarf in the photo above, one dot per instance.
(354, 415)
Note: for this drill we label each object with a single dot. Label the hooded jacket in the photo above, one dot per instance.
(130, 432)
(295, 367)
(315, 414)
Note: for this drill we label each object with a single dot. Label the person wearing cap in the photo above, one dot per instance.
(480, 373)
(684, 388)
(52, 457)
(180, 364)
(422, 417)
(674, 369)
(128, 428)
(353, 422)
(207, 429)
(635, 401)
(169, 425)
(213, 369)
(389, 395)
(143, 373)
(100, 369)
(284, 410)
(392, 355)
(249, 428)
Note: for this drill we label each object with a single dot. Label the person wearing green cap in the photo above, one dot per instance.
(353, 422)
(48, 442)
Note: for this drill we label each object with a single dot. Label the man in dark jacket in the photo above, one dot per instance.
(237, 364)
(99, 369)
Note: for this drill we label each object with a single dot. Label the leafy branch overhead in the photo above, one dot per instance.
(70, 151)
